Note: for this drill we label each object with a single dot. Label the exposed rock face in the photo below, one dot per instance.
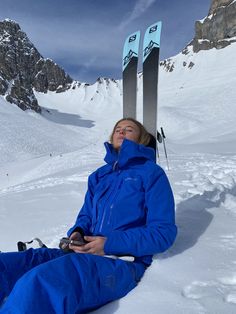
(215, 4)
(218, 29)
(22, 68)
(49, 76)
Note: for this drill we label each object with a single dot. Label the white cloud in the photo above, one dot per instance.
(140, 7)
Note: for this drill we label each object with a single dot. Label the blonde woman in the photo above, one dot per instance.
(127, 217)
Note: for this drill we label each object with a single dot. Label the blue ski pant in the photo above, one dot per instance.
(51, 281)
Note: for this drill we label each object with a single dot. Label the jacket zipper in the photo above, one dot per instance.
(115, 189)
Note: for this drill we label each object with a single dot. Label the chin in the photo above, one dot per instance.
(117, 145)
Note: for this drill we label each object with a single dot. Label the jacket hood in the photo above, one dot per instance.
(129, 150)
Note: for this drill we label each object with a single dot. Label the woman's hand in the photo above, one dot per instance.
(95, 245)
(77, 236)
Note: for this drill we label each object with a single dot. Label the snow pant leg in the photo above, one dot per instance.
(73, 283)
(15, 264)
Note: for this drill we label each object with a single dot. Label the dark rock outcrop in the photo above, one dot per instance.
(23, 69)
(218, 29)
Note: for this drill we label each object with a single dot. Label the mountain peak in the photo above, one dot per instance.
(22, 69)
(218, 29)
(216, 4)
(8, 24)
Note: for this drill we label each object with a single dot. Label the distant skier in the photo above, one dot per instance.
(128, 211)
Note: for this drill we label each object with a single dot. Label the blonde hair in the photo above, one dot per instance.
(144, 136)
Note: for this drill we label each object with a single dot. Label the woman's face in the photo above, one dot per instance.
(125, 129)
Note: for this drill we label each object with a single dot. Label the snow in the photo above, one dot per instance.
(45, 161)
(209, 17)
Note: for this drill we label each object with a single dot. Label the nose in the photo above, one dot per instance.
(122, 131)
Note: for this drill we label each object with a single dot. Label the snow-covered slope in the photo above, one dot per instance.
(196, 106)
(41, 197)
(197, 98)
(45, 161)
(28, 134)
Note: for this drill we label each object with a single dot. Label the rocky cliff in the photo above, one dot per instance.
(23, 69)
(218, 29)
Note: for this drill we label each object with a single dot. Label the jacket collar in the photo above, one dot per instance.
(128, 152)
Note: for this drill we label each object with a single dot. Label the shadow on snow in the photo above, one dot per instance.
(66, 118)
(193, 219)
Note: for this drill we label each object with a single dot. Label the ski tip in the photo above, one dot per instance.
(154, 27)
(131, 48)
(133, 37)
(152, 38)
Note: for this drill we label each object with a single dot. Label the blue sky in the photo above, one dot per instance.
(86, 37)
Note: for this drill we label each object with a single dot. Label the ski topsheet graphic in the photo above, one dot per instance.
(151, 48)
(130, 65)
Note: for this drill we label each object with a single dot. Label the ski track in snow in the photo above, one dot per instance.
(45, 183)
(50, 172)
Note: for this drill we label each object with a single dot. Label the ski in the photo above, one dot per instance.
(129, 67)
(151, 48)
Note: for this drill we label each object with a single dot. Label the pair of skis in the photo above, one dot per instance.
(151, 49)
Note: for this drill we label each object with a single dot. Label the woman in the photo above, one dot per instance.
(128, 211)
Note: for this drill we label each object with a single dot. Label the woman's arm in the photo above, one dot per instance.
(84, 218)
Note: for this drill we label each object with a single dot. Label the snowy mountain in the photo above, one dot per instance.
(196, 106)
(196, 93)
(218, 28)
(195, 99)
(22, 68)
(46, 158)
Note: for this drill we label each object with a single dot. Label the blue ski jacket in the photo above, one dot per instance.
(129, 201)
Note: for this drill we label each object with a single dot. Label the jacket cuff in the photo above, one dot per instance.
(111, 246)
(76, 229)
